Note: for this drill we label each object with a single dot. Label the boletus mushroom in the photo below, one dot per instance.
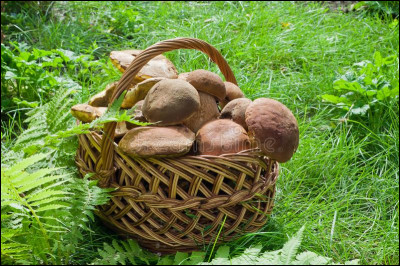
(102, 99)
(159, 66)
(183, 76)
(139, 92)
(232, 92)
(138, 115)
(170, 102)
(87, 113)
(221, 136)
(236, 110)
(121, 129)
(208, 111)
(208, 82)
(157, 141)
(274, 128)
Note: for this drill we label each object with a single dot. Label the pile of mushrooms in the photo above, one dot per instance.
(192, 113)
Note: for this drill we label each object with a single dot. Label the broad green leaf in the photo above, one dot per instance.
(378, 60)
(387, 93)
(335, 99)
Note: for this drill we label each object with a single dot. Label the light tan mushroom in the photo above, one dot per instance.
(220, 137)
(102, 99)
(159, 66)
(208, 111)
(236, 110)
(87, 113)
(232, 92)
(208, 82)
(170, 102)
(157, 141)
(139, 92)
(274, 128)
(121, 129)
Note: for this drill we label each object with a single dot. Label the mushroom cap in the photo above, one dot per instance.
(236, 110)
(121, 129)
(170, 102)
(208, 111)
(207, 82)
(139, 92)
(138, 115)
(222, 136)
(157, 141)
(159, 66)
(274, 128)
(87, 113)
(183, 76)
(102, 99)
(232, 92)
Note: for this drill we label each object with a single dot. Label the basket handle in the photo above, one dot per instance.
(140, 60)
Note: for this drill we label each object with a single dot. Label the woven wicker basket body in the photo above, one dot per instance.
(178, 204)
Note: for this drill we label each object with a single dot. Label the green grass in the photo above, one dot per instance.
(344, 180)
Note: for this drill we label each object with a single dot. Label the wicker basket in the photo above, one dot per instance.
(178, 204)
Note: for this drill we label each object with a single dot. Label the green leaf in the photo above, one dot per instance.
(360, 110)
(378, 59)
(335, 99)
(387, 93)
(349, 86)
(180, 257)
(389, 60)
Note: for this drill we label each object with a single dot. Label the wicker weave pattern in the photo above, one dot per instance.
(178, 204)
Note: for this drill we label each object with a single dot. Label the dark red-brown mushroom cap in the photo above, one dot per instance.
(207, 82)
(221, 136)
(274, 128)
(236, 110)
(232, 92)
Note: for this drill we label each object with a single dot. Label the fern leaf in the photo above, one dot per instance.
(22, 165)
(289, 250)
(35, 183)
(34, 198)
(284, 256)
(127, 253)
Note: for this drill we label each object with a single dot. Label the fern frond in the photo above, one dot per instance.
(284, 256)
(290, 248)
(124, 252)
(22, 193)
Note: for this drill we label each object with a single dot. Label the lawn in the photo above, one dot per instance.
(343, 182)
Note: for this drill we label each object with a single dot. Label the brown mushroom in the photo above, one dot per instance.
(183, 76)
(139, 92)
(138, 115)
(232, 92)
(159, 66)
(221, 136)
(274, 128)
(208, 111)
(157, 141)
(236, 110)
(102, 99)
(207, 82)
(87, 113)
(170, 102)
